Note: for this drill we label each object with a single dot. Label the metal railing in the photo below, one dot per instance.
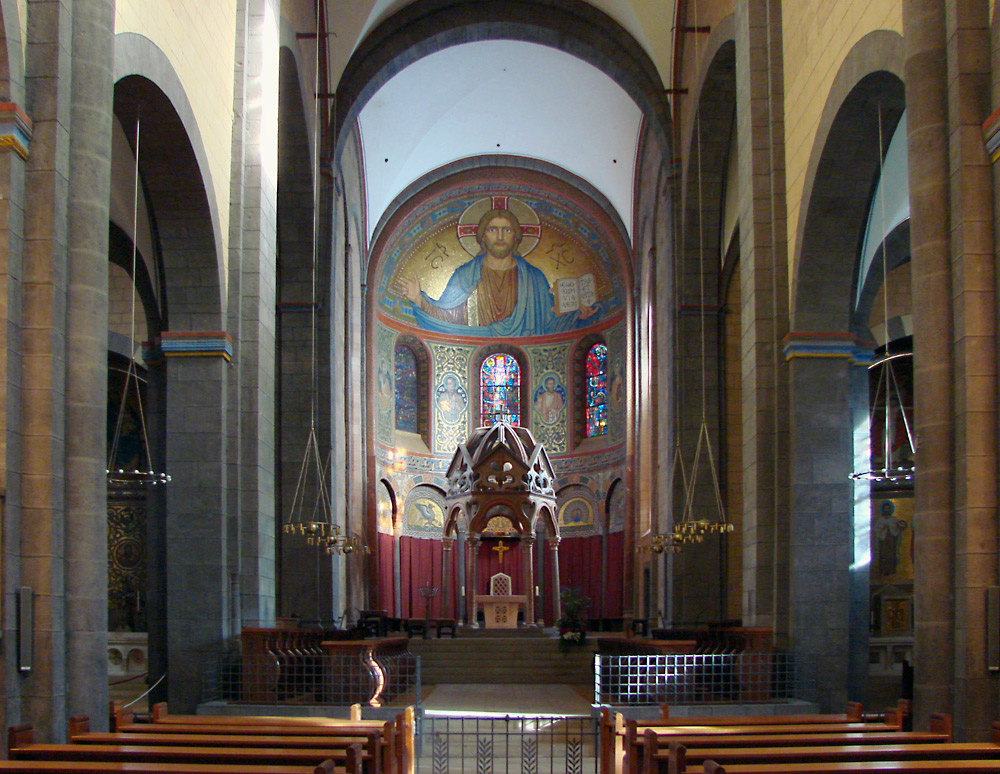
(507, 744)
(337, 678)
(698, 678)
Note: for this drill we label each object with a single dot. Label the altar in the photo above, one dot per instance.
(500, 610)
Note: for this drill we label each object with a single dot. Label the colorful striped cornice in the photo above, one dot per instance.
(827, 345)
(15, 129)
(196, 344)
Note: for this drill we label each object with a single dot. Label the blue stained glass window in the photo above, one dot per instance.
(406, 389)
(597, 391)
(500, 390)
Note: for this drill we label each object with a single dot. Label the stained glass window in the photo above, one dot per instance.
(406, 389)
(500, 390)
(597, 390)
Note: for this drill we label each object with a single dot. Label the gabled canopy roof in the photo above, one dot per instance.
(501, 458)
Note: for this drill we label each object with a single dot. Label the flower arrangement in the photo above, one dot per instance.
(572, 626)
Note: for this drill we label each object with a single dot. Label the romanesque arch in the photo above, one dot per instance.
(828, 394)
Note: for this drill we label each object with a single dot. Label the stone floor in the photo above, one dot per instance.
(501, 699)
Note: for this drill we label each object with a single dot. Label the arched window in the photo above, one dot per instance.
(597, 390)
(500, 390)
(406, 389)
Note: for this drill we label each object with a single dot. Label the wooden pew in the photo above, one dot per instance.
(853, 713)
(118, 767)
(161, 714)
(391, 742)
(20, 740)
(634, 744)
(682, 759)
(348, 755)
(398, 735)
(958, 766)
(613, 732)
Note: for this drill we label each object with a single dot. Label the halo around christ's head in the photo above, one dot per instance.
(468, 222)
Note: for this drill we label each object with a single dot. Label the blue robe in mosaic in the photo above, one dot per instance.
(533, 315)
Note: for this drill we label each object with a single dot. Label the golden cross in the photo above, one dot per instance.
(500, 548)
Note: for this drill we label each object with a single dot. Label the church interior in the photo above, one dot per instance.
(603, 317)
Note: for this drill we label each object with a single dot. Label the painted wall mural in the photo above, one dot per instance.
(500, 266)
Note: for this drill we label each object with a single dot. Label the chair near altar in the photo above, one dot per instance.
(500, 607)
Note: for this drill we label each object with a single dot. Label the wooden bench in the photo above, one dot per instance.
(388, 743)
(442, 625)
(119, 767)
(682, 759)
(853, 713)
(618, 736)
(161, 714)
(350, 758)
(27, 756)
(613, 727)
(398, 736)
(958, 766)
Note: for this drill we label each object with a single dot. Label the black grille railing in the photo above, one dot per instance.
(696, 678)
(507, 744)
(336, 678)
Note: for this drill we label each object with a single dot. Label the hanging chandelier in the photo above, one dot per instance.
(318, 527)
(117, 475)
(691, 528)
(898, 471)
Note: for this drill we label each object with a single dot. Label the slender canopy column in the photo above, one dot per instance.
(528, 568)
(470, 593)
(556, 590)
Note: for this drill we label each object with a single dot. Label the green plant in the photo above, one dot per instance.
(571, 624)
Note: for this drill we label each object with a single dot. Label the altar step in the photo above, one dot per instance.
(492, 660)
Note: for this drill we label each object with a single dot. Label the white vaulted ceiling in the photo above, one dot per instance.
(499, 97)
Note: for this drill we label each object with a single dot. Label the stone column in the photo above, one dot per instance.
(200, 553)
(822, 527)
(974, 348)
(528, 568)
(252, 303)
(556, 590)
(17, 137)
(86, 357)
(473, 573)
(48, 86)
(446, 576)
(933, 367)
(764, 304)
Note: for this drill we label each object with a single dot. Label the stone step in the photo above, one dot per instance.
(502, 660)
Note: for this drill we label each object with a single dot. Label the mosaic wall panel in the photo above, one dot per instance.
(568, 276)
(127, 565)
(384, 419)
(424, 512)
(550, 396)
(451, 397)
